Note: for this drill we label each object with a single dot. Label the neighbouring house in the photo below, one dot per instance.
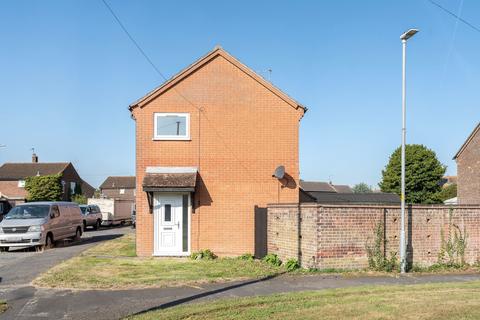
(13, 175)
(352, 198)
(448, 181)
(468, 169)
(328, 187)
(118, 188)
(207, 144)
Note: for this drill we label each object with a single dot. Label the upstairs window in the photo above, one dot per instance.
(171, 126)
(122, 191)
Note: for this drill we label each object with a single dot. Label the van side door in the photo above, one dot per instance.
(54, 223)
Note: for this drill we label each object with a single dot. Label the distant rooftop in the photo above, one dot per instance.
(115, 182)
(355, 198)
(319, 186)
(19, 171)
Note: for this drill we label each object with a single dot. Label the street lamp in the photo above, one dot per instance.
(403, 246)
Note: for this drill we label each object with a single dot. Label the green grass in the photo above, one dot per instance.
(113, 265)
(3, 306)
(426, 301)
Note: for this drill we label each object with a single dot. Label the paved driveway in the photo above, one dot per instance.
(19, 268)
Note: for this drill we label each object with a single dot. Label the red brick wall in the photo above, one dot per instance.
(342, 232)
(468, 171)
(244, 132)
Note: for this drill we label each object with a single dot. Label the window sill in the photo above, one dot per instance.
(172, 139)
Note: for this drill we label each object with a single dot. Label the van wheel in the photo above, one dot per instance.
(97, 225)
(78, 234)
(48, 243)
(3, 249)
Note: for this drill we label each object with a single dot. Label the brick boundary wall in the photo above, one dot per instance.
(335, 236)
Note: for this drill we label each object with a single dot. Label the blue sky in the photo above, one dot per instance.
(68, 73)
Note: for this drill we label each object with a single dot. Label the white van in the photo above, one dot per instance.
(40, 224)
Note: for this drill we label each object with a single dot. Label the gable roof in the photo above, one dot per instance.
(216, 52)
(19, 171)
(465, 144)
(123, 182)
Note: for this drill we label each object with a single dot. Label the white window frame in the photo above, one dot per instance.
(121, 191)
(168, 137)
(21, 183)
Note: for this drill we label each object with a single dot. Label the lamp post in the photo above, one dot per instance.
(403, 246)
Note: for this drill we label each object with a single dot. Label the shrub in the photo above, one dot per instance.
(375, 252)
(247, 257)
(272, 259)
(292, 265)
(206, 254)
(453, 246)
(79, 198)
(44, 188)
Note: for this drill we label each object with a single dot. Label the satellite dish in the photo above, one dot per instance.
(279, 172)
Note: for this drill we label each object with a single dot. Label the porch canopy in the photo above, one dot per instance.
(168, 179)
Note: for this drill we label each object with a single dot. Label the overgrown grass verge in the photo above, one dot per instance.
(112, 265)
(3, 306)
(426, 301)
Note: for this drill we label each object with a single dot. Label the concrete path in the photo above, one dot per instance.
(27, 302)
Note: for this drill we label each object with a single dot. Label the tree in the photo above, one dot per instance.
(423, 173)
(447, 192)
(44, 188)
(361, 187)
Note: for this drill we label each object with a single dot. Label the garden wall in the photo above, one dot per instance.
(336, 236)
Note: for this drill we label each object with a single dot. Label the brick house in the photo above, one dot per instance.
(12, 179)
(468, 169)
(118, 188)
(207, 143)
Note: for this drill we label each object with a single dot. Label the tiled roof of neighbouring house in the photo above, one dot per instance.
(357, 198)
(124, 182)
(342, 188)
(19, 171)
(319, 186)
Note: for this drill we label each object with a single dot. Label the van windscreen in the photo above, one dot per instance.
(28, 212)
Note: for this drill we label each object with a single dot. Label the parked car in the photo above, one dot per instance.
(92, 216)
(40, 224)
(114, 211)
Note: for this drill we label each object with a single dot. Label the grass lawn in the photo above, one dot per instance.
(431, 301)
(3, 306)
(112, 265)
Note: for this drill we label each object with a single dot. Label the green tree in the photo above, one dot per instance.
(361, 187)
(447, 192)
(44, 188)
(423, 173)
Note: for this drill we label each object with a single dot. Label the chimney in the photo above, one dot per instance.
(34, 158)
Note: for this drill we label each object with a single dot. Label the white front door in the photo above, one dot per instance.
(168, 225)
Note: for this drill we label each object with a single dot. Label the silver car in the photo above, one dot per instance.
(92, 216)
(40, 224)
